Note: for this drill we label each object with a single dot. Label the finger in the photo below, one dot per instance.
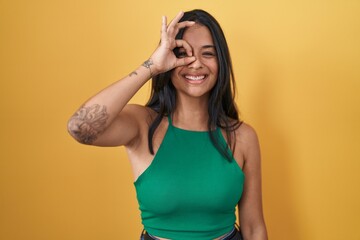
(175, 30)
(185, 24)
(184, 61)
(163, 27)
(176, 19)
(184, 44)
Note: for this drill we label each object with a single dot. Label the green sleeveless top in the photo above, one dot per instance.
(190, 190)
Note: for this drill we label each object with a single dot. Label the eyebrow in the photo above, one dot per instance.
(208, 46)
(203, 47)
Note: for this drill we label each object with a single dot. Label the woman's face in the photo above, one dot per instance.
(200, 76)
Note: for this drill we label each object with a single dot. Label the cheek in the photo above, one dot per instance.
(176, 71)
(212, 65)
(175, 76)
(214, 68)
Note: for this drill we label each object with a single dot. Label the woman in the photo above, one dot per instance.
(188, 150)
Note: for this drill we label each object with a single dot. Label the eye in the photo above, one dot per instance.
(181, 54)
(209, 54)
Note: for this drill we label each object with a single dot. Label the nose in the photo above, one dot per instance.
(197, 64)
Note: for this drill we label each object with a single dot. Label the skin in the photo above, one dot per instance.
(196, 79)
(107, 119)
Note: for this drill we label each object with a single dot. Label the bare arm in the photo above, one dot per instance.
(99, 112)
(250, 206)
(106, 119)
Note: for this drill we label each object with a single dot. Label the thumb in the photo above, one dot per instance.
(184, 61)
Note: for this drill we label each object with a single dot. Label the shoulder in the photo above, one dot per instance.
(246, 132)
(135, 119)
(138, 117)
(139, 113)
(139, 109)
(247, 139)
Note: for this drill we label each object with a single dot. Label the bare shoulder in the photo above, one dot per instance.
(139, 113)
(246, 132)
(139, 116)
(247, 139)
(138, 110)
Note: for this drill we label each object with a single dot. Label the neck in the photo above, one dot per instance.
(191, 114)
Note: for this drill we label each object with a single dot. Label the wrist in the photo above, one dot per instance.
(149, 64)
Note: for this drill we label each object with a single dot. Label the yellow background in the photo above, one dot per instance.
(297, 66)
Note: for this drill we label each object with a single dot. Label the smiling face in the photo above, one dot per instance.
(200, 76)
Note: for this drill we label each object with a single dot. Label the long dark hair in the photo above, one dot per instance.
(221, 108)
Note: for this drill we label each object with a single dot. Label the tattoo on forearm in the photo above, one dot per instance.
(88, 122)
(133, 73)
(148, 64)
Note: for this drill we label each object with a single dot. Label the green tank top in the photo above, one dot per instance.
(190, 190)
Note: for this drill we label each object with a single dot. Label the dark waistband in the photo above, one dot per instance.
(235, 234)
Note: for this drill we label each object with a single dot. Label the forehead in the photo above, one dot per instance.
(198, 36)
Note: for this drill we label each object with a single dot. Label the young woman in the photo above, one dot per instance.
(188, 149)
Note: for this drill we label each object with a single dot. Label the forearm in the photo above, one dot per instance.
(96, 114)
(258, 234)
(118, 94)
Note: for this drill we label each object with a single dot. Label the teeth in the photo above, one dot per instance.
(195, 78)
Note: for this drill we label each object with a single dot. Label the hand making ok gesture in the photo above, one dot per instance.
(164, 59)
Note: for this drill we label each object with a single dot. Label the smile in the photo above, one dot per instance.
(195, 78)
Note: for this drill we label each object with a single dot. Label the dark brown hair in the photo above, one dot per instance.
(222, 108)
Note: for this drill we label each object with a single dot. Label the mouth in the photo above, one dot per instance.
(195, 78)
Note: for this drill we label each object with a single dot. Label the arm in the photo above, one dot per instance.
(250, 206)
(106, 119)
(92, 122)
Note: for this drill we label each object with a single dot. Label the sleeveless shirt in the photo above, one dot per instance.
(190, 190)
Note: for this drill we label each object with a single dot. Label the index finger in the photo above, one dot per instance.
(176, 19)
(163, 26)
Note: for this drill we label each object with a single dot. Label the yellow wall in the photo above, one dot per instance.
(297, 65)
